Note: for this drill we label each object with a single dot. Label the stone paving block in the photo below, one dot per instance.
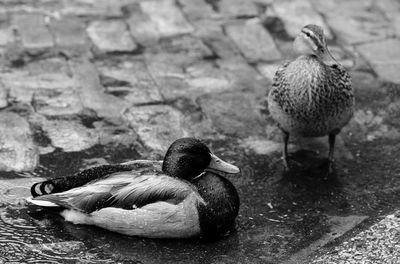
(195, 10)
(244, 77)
(384, 58)
(200, 78)
(211, 33)
(3, 95)
(237, 116)
(391, 8)
(57, 103)
(143, 29)
(388, 71)
(354, 22)
(33, 31)
(385, 51)
(340, 6)
(268, 69)
(207, 78)
(157, 125)
(92, 93)
(15, 191)
(22, 84)
(237, 8)
(70, 136)
(167, 71)
(362, 28)
(132, 80)
(185, 44)
(68, 32)
(296, 14)
(103, 8)
(6, 35)
(111, 36)
(17, 149)
(253, 40)
(163, 64)
(169, 19)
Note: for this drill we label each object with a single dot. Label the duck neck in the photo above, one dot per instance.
(221, 206)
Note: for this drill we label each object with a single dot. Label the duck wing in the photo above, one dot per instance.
(127, 190)
(61, 184)
(279, 84)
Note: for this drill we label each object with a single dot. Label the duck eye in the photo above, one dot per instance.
(308, 34)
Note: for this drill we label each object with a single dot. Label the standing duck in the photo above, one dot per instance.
(310, 97)
(186, 198)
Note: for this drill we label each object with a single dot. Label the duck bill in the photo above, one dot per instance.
(218, 164)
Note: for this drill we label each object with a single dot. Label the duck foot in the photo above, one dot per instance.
(292, 164)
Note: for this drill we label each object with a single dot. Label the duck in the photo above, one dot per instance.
(186, 195)
(312, 95)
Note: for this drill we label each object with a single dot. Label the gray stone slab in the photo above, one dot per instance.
(237, 115)
(296, 14)
(3, 95)
(22, 84)
(354, 22)
(132, 80)
(167, 16)
(237, 8)
(385, 51)
(57, 103)
(157, 125)
(186, 45)
(92, 93)
(210, 31)
(142, 28)
(17, 149)
(253, 40)
(111, 36)
(68, 135)
(89, 8)
(69, 32)
(33, 31)
(384, 58)
(195, 10)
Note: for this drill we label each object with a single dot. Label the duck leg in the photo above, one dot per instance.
(331, 159)
(285, 136)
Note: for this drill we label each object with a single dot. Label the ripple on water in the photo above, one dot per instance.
(22, 239)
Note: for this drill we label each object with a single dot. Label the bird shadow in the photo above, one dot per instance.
(311, 171)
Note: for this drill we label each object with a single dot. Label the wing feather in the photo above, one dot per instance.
(126, 190)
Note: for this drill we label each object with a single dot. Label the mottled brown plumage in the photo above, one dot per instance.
(310, 97)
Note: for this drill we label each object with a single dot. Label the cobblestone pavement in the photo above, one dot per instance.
(88, 82)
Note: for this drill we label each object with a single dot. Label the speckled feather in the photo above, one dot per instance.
(310, 98)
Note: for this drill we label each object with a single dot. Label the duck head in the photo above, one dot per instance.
(187, 158)
(311, 41)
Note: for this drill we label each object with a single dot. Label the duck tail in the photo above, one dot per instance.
(42, 203)
(42, 188)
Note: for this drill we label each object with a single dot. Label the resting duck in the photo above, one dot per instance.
(187, 198)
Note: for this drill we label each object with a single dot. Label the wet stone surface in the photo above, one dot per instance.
(85, 83)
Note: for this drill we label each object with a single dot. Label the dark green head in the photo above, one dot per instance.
(187, 158)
